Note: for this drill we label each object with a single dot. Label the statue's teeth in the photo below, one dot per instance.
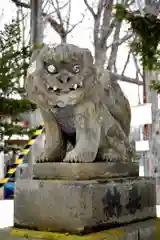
(48, 86)
(81, 84)
(75, 86)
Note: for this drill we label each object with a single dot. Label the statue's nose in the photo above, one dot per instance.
(63, 78)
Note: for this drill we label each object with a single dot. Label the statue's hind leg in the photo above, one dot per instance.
(114, 142)
(105, 151)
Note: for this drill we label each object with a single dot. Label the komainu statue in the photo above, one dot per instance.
(79, 105)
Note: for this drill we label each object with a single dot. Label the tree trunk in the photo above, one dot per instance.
(154, 129)
(36, 22)
(36, 39)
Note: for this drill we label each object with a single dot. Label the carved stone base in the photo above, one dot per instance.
(81, 206)
(84, 171)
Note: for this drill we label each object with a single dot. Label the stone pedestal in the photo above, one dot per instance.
(85, 171)
(82, 206)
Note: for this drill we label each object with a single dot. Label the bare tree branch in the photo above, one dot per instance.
(96, 31)
(57, 11)
(60, 7)
(75, 25)
(136, 65)
(101, 33)
(102, 29)
(115, 45)
(115, 69)
(108, 31)
(68, 16)
(45, 3)
(121, 41)
(1, 14)
(97, 19)
(58, 27)
(54, 23)
(104, 24)
(100, 7)
(106, 21)
(125, 38)
(90, 8)
(115, 77)
(114, 49)
(126, 63)
(18, 3)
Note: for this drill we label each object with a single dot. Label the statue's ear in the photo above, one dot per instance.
(35, 60)
(87, 56)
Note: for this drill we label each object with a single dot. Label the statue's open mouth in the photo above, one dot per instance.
(58, 91)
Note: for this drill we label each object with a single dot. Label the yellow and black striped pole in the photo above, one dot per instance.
(20, 158)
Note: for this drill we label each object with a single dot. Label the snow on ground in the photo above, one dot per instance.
(6, 213)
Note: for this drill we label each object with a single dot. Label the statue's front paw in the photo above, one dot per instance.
(110, 157)
(79, 157)
(42, 158)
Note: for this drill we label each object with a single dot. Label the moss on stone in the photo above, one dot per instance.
(116, 234)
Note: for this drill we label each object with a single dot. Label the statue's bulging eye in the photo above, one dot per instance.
(76, 68)
(51, 69)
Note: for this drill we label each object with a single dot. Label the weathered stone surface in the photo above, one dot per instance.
(147, 230)
(77, 206)
(84, 171)
(22, 172)
(95, 112)
(158, 190)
